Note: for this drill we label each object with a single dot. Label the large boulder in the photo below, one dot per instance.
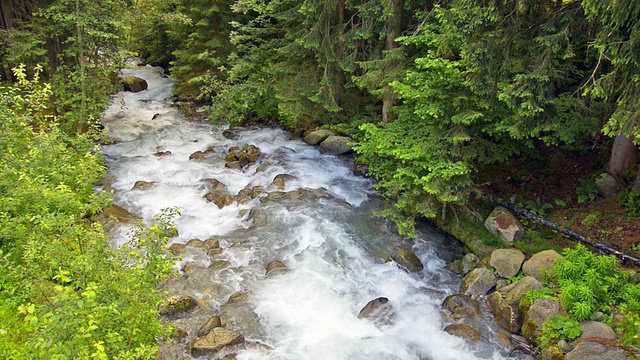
(462, 306)
(542, 260)
(505, 303)
(336, 145)
(507, 262)
(215, 340)
(463, 331)
(211, 324)
(607, 185)
(538, 313)
(594, 329)
(478, 282)
(318, 136)
(407, 259)
(378, 310)
(134, 83)
(503, 224)
(590, 350)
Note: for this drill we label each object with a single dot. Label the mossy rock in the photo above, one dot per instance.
(134, 83)
(177, 305)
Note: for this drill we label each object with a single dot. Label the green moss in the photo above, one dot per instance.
(471, 231)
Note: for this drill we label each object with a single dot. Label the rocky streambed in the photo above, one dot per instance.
(281, 257)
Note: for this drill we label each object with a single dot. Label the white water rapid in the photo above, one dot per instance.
(330, 243)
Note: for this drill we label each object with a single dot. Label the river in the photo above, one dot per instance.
(320, 226)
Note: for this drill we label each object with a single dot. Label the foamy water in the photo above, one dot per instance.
(330, 245)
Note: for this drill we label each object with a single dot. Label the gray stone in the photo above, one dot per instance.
(607, 185)
(589, 350)
(564, 346)
(378, 310)
(594, 329)
(212, 323)
(469, 262)
(478, 282)
(336, 145)
(463, 331)
(598, 316)
(407, 259)
(462, 306)
(503, 224)
(318, 136)
(281, 179)
(538, 313)
(505, 303)
(543, 260)
(507, 262)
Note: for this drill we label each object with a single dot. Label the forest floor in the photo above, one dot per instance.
(551, 185)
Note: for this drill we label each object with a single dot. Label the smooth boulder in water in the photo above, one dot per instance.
(378, 310)
(134, 83)
(217, 339)
(407, 259)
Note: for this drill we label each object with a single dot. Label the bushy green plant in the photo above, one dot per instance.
(587, 191)
(538, 207)
(632, 203)
(558, 327)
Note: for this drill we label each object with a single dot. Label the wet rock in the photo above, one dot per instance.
(505, 303)
(196, 244)
(298, 194)
(275, 266)
(230, 133)
(469, 262)
(407, 259)
(198, 155)
(507, 262)
(607, 185)
(462, 306)
(242, 157)
(212, 243)
(177, 248)
(177, 305)
(564, 346)
(594, 329)
(281, 179)
(318, 136)
(478, 282)
(360, 169)
(114, 215)
(219, 265)
(503, 224)
(589, 350)
(220, 200)
(162, 153)
(336, 145)
(235, 165)
(180, 333)
(240, 296)
(217, 339)
(214, 252)
(134, 83)
(216, 186)
(538, 313)
(212, 323)
(378, 310)
(542, 260)
(463, 331)
(504, 339)
(241, 317)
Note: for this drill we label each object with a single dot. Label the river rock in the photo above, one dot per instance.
(538, 313)
(281, 179)
(378, 310)
(233, 164)
(543, 260)
(217, 339)
(336, 145)
(134, 83)
(238, 297)
(220, 200)
(469, 262)
(463, 331)
(478, 282)
(318, 136)
(212, 243)
(230, 133)
(196, 244)
(177, 305)
(275, 266)
(503, 224)
(177, 248)
(198, 155)
(407, 259)
(240, 317)
(462, 306)
(114, 215)
(219, 265)
(594, 329)
(216, 186)
(242, 157)
(212, 323)
(607, 185)
(589, 350)
(505, 303)
(507, 262)
(162, 153)
(564, 346)
(551, 353)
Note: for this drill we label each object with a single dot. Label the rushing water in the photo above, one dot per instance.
(332, 245)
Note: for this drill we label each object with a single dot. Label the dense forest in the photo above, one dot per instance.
(432, 92)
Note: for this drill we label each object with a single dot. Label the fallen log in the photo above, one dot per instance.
(568, 233)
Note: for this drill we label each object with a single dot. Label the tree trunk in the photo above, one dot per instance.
(395, 24)
(6, 8)
(636, 184)
(623, 153)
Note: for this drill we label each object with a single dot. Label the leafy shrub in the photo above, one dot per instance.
(558, 327)
(632, 202)
(588, 191)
